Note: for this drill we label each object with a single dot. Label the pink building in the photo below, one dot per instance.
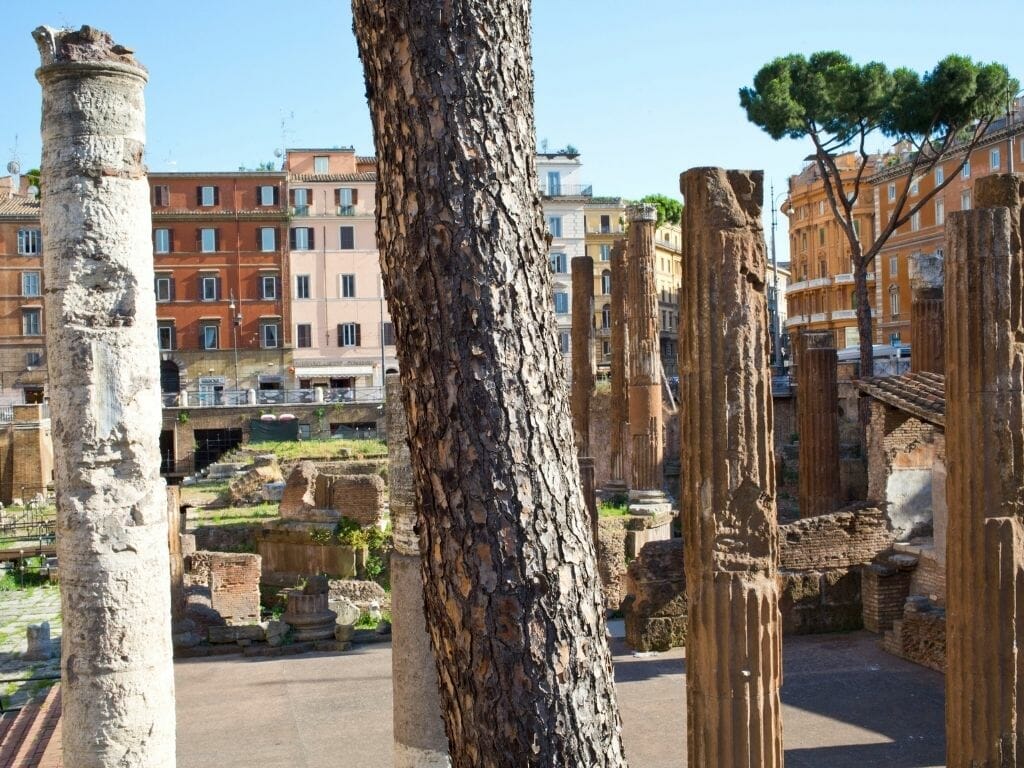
(342, 330)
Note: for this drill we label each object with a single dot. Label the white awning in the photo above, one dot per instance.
(334, 371)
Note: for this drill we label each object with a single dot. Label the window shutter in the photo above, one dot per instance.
(216, 195)
(199, 195)
(216, 240)
(291, 197)
(291, 239)
(174, 337)
(277, 289)
(217, 284)
(339, 334)
(259, 238)
(199, 239)
(170, 240)
(359, 335)
(355, 196)
(312, 243)
(202, 337)
(172, 295)
(277, 195)
(337, 197)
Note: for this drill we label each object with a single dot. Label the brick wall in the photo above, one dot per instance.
(920, 635)
(884, 590)
(358, 497)
(852, 536)
(225, 583)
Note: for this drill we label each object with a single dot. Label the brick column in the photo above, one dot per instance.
(419, 737)
(645, 489)
(985, 481)
(117, 681)
(733, 649)
(927, 314)
(583, 375)
(619, 405)
(817, 423)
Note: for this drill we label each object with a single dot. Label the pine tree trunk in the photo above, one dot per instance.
(511, 589)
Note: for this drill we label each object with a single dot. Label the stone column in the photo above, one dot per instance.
(733, 649)
(117, 683)
(646, 479)
(419, 736)
(817, 423)
(985, 480)
(619, 405)
(927, 316)
(583, 375)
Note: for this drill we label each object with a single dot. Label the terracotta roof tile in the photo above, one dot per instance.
(368, 176)
(920, 394)
(19, 207)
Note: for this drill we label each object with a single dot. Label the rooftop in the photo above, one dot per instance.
(315, 177)
(920, 394)
(18, 207)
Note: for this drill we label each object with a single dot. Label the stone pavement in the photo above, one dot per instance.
(846, 703)
(18, 609)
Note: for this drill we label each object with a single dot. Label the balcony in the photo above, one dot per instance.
(796, 320)
(606, 230)
(844, 278)
(819, 282)
(819, 317)
(300, 210)
(347, 210)
(566, 190)
(798, 286)
(242, 398)
(844, 314)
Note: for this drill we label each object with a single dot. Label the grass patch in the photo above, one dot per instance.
(613, 509)
(365, 622)
(320, 449)
(231, 515)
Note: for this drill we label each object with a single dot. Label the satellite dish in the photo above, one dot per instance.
(277, 153)
(33, 190)
(14, 167)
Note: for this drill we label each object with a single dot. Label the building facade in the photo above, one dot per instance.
(22, 323)
(344, 338)
(605, 220)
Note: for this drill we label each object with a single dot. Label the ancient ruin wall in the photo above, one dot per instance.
(117, 678)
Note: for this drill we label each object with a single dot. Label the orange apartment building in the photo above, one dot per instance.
(22, 324)
(220, 244)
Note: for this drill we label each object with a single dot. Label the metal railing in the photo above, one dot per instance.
(6, 414)
(240, 398)
(567, 190)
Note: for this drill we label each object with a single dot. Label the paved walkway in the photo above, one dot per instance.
(18, 609)
(846, 705)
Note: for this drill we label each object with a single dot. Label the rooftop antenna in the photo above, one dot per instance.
(14, 167)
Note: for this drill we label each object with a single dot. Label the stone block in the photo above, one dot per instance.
(220, 635)
(40, 648)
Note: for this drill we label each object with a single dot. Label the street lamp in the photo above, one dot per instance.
(236, 322)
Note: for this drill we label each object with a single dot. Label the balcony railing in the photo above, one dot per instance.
(240, 398)
(300, 210)
(845, 277)
(819, 317)
(347, 210)
(567, 190)
(6, 414)
(844, 314)
(616, 230)
(819, 282)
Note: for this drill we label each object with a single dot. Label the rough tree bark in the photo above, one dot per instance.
(511, 588)
(117, 681)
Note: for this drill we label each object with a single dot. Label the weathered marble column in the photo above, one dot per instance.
(646, 476)
(817, 423)
(927, 316)
(583, 375)
(985, 482)
(419, 736)
(733, 650)
(117, 683)
(618, 419)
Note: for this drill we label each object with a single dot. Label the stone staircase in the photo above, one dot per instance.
(30, 737)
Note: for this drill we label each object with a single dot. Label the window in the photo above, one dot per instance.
(606, 316)
(894, 301)
(302, 286)
(346, 199)
(162, 241)
(30, 285)
(348, 286)
(856, 229)
(165, 335)
(561, 302)
(606, 282)
(32, 322)
(915, 186)
(965, 200)
(302, 239)
(268, 287)
(558, 263)
(321, 164)
(894, 265)
(915, 221)
(554, 183)
(606, 349)
(208, 196)
(209, 336)
(300, 201)
(349, 335)
(33, 358)
(821, 235)
(161, 196)
(304, 335)
(803, 241)
(163, 288)
(892, 191)
(30, 242)
(208, 240)
(940, 211)
(555, 225)
(387, 334)
(268, 239)
(965, 172)
(268, 194)
(269, 335)
(993, 159)
(821, 207)
(940, 175)
(209, 288)
(347, 239)
(606, 224)
(564, 341)
(605, 251)
(822, 269)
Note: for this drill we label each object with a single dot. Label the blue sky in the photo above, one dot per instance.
(644, 90)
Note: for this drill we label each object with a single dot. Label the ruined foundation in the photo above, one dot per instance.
(733, 651)
(927, 314)
(984, 444)
(818, 424)
(117, 683)
(420, 740)
(646, 471)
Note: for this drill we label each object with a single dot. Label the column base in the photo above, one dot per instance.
(615, 488)
(648, 503)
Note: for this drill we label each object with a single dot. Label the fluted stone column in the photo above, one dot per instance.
(927, 314)
(985, 482)
(619, 405)
(646, 471)
(583, 375)
(733, 650)
(419, 737)
(817, 424)
(117, 683)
